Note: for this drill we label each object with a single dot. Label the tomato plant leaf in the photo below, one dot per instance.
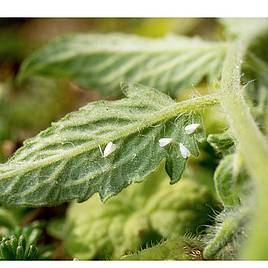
(140, 215)
(231, 180)
(221, 142)
(66, 161)
(182, 248)
(102, 61)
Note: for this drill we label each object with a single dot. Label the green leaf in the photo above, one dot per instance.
(182, 248)
(21, 244)
(231, 180)
(102, 61)
(139, 216)
(257, 98)
(221, 142)
(66, 162)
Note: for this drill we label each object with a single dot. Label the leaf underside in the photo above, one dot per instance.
(65, 161)
(102, 61)
(232, 184)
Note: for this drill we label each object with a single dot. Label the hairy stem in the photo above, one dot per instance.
(227, 230)
(252, 145)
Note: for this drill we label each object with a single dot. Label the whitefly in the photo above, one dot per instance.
(164, 142)
(190, 129)
(184, 151)
(110, 148)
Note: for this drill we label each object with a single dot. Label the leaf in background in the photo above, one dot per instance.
(102, 61)
(231, 180)
(140, 215)
(245, 27)
(222, 142)
(182, 248)
(21, 244)
(257, 97)
(65, 161)
(261, 109)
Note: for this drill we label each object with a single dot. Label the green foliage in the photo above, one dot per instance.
(222, 142)
(22, 244)
(231, 180)
(245, 131)
(258, 101)
(102, 61)
(139, 216)
(57, 228)
(246, 28)
(107, 145)
(225, 238)
(14, 248)
(66, 162)
(182, 248)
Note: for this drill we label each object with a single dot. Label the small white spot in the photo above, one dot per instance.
(110, 147)
(134, 156)
(164, 141)
(190, 129)
(184, 151)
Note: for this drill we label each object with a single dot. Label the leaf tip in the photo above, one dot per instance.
(126, 87)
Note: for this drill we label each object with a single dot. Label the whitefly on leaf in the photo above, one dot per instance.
(110, 148)
(190, 129)
(164, 142)
(64, 163)
(184, 151)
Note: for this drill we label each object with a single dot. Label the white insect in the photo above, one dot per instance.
(164, 141)
(190, 129)
(110, 147)
(184, 151)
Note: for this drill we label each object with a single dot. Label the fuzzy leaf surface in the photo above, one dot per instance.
(65, 161)
(182, 248)
(102, 61)
(231, 180)
(221, 142)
